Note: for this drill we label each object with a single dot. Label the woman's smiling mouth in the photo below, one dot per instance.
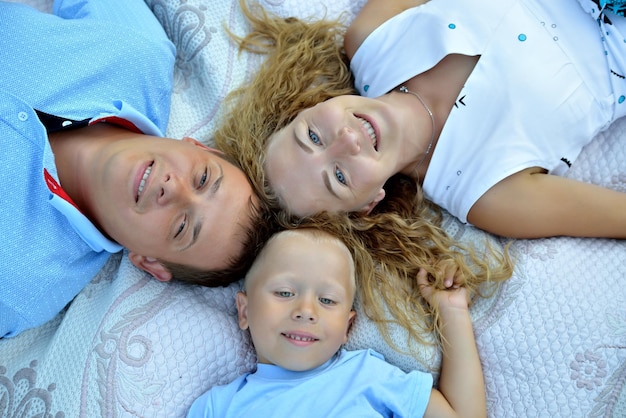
(370, 131)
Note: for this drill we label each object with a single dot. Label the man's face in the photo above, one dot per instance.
(175, 201)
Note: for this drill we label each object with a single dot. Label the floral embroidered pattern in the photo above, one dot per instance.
(188, 29)
(120, 354)
(20, 396)
(588, 370)
(611, 402)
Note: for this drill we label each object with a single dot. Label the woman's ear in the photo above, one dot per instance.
(371, 205)
(151, 266)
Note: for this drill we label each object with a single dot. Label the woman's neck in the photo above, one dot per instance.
(439, 89)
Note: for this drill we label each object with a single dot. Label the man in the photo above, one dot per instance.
(84, 100)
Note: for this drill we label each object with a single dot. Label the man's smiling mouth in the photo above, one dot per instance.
(142, 183)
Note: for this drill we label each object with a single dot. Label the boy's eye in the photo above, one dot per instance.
(284, 293)
(326, 301)
(340, 176)
(314, 138)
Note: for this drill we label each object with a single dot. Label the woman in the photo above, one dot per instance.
(403, 234)
(483, 104)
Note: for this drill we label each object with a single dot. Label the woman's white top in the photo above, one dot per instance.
(544, 86)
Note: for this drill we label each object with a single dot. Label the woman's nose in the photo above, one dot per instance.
(347, 142)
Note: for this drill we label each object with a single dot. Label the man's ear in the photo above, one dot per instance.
(197, 143)
(371, 205)
(242, 309)
(150, 265)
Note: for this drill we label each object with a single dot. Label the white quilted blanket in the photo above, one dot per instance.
(552, 340)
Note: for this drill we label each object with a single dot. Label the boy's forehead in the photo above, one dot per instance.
(305, 245)
(294, 240)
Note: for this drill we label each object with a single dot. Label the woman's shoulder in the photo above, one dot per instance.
(371, 16)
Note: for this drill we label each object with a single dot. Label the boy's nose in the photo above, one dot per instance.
(305, 312)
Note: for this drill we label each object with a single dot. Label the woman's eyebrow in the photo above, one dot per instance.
(326, 180)
(302, 145)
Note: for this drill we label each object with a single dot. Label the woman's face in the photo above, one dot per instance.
(335, 156)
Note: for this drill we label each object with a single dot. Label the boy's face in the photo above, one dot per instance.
(298, 301)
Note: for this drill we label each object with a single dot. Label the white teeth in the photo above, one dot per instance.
(298, 338)
(370, 131)
(142, 183)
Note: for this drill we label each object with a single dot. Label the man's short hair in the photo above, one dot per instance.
(261, 228)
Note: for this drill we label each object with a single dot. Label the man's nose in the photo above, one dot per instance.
(174, 190)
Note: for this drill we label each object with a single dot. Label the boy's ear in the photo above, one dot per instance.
(150, 265)
(242, 309)
(350, 321)
(371, 205)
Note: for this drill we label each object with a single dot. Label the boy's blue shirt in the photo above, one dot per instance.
(351, 384)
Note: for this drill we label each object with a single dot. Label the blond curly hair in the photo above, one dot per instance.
(390, 248)
(304, 64)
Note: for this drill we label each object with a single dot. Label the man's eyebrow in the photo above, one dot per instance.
(194, 237)
(303, 145)
(327, 184)
(198, 226)
(218, 181)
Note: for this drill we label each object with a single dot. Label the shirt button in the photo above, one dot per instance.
(23, 116)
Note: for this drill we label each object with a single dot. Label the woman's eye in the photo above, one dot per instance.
(340, 177)
(203, 179)
(181, 228)
(326, 301)
(314, 138)
(284, 293)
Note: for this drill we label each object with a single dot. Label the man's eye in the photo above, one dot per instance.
(284, 293)
(340, 177)
(326, 301)
(181, 228)
(203, 179)
(314, 138)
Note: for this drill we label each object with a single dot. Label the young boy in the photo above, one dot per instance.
(297, 304)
